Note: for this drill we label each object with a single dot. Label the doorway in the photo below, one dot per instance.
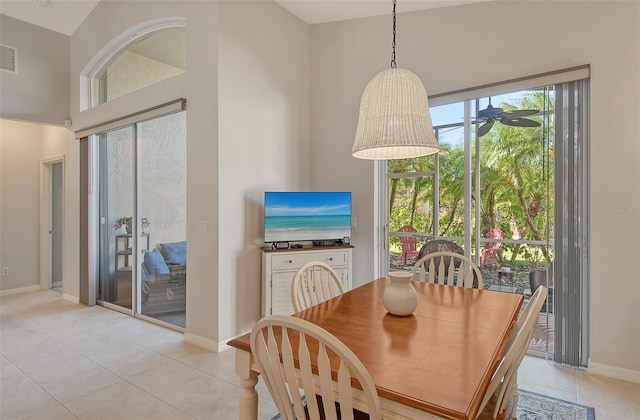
(52, 224)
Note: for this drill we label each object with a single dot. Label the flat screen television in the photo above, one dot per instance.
(306, 216)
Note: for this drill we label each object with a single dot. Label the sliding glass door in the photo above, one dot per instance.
(491, 194)
(162, 197)
(142, 267)
(117, 206)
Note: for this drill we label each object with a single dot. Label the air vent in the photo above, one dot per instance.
(8, 60)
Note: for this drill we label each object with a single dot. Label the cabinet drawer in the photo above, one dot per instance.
(293, 261)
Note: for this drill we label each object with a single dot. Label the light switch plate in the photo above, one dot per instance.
(202, 226)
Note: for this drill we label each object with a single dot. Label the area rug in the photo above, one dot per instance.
(532, 406)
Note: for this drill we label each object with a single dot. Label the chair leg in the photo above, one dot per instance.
(515, 397)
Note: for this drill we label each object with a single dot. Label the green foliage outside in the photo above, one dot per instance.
(516, 186)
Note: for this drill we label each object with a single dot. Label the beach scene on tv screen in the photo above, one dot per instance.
(306, 216)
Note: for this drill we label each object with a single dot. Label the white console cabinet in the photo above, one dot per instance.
(279, 266)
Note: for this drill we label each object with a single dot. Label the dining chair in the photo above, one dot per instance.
(280, 345)
(448, 268)
(501, 398)
(313, 283)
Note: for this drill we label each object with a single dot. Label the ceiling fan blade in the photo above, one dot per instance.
(520, 113)
(485, 128)
(519, 122)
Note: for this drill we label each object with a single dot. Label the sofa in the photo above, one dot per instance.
(164, 278)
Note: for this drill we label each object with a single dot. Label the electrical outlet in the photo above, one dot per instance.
(5, 271)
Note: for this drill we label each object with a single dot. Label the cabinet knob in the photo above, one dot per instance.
(330, 258)
(290, 261)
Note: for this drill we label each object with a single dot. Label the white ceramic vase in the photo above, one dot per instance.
(399, 297)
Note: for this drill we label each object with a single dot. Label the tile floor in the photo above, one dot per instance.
(61, 360)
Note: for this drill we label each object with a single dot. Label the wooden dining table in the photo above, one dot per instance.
(435, 363)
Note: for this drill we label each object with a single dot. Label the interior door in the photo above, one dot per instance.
(56, 224)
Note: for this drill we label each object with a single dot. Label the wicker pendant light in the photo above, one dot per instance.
(394, 120)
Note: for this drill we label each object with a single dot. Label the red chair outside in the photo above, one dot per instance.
(409, 244)
(491, 249)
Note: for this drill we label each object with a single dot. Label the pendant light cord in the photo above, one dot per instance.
(393, 43)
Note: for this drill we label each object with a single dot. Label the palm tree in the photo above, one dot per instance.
(515, 179)
(521, 159)
(451, 176)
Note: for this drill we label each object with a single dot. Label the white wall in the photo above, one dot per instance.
(264, 141)
(41, 82)
(23, 148)
(20, 191)
(199, 86)
(38, 93)
(457, 47)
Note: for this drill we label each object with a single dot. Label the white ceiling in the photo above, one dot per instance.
(62, 16)
(321, 11)
(65, 16)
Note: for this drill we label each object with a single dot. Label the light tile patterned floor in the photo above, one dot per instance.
(64, 361)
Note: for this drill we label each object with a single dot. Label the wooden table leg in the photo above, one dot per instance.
(248, 405)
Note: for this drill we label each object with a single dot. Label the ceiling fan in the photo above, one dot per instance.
(514, 118)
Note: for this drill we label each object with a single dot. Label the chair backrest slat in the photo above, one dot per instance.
(307, 377)
(448, 268)
(344, 388)
(268, 350)
(324, 374)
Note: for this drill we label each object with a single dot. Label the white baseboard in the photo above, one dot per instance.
(71, 298)
(19, 290)
(202, 342)
(223, 346)
(614, 372)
